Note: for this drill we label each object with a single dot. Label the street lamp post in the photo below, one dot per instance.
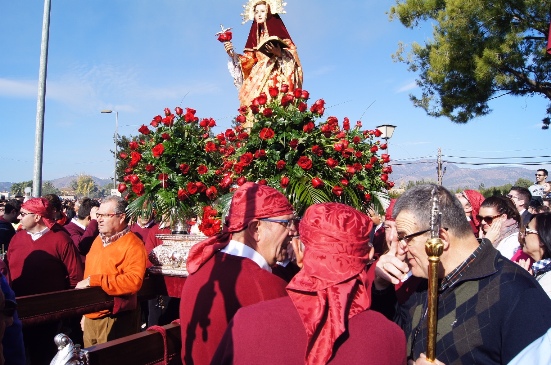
(387, 130)
(108, 111)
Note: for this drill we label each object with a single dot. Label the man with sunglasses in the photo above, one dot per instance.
(488, 309)
(538, 189)
(234, 268)
(41, 259)
(116, 262)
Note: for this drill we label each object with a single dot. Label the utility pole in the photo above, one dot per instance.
(439, 170)
(39, 132)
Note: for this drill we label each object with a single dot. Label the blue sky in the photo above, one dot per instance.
(140, 56)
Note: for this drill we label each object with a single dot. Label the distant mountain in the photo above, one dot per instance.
(403, 172)
(458, 177)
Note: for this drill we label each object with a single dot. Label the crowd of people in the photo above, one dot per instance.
(335, 286)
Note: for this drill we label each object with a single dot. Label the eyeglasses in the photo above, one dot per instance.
(488, 219)
(9, 308)
(107, 215)
(290, 224)
(511, 196)
(539, 175)
(404, 240)
(528, 231)
(22, 214)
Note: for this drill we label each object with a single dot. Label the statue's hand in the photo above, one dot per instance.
(274, 49)
(228, 46)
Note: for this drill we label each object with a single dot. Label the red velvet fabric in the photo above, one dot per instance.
(272, 333)
(335, 283)
(475, 199)
(250, 201)
(275, 27)
(213, 294)
(41, 207)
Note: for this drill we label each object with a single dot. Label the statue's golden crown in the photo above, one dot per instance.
(276, 7)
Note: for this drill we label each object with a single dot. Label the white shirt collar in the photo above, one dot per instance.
(37, 235)
(237, 248)
(75, 221)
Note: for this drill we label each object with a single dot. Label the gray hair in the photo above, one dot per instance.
(120, 206)
(418, 201)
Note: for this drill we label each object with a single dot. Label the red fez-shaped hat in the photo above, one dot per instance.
(41, 207)
(250, 201)
(336, 258)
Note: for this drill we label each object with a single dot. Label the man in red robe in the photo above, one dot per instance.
(233, 269)
(326, 317)
(41, 258)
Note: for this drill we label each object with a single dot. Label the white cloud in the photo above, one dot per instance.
(412, 85)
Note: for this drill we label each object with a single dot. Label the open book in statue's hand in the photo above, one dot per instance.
(274, 41)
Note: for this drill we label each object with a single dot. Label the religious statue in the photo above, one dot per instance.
(270, 58)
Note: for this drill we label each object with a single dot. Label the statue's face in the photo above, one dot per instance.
(260, 13)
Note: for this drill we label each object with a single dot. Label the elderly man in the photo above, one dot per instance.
(233, 269)
(116, 263)
(326, 317)
(488, 309)
(41, 258)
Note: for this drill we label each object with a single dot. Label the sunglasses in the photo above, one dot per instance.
(488, 219)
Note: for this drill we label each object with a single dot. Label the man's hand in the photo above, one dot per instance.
(93, 212)
(83, 283)
(390, 269)
(422, 360)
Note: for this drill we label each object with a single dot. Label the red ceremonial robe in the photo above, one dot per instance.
(50, 263)
(272, 332)
(211, 296)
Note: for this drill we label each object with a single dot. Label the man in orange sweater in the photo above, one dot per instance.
(116, 262)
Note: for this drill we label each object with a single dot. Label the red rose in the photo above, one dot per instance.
(241, 119)
(182, 194)
(126, 178)
(212, 123)
(242, 110)
(350, 170)
(358, 166)
(284, 88)
(122, 188)
(367, 197)
(384, 177)
(267, 112)
(317, 182)
(305, 95)
(305, 163)
(226, 181)
(134, 179)
(190, 115)
(241, 181)
(138, 189)
(133, 145)
(267, 133)
(331, 162)
(200, 187)
(273, 91)
(225, 36)
(297, 93)
(302, 107)
(346, 124)
(184, 167)
(373, 160)
(254, 109)
(242, 136)
(360, 187)
(210, 146)
(339, 146)
(280, 165)
(202, 169)
(348, 152)
(211, 193)
(144, 130)
(286, 100)
(204, 123)
(387, 169)
(383, 146)
(230, 135)
(156, 120)
(262, 182)
(128, 170)
(356, 140)
(374, 149)
(377, 133)
(191, 188)
(123, 155)
(308, 127)
(163, 178)
(337, 190)
(284, 181)
(165, 136)
(389, 185)
(149, 168)
(158, 150)
(317, 150)
(318, 107)
(385, 157)
(169, 120)
(344, 182)
(368, 166)
(246, 158)
(238, 168)
(293, 143)
(359, 154)
(262, 99)
(178, 110)
(260, 154)
(359, 124)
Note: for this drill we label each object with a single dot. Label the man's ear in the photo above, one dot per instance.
(445, 236)
(253, 229)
